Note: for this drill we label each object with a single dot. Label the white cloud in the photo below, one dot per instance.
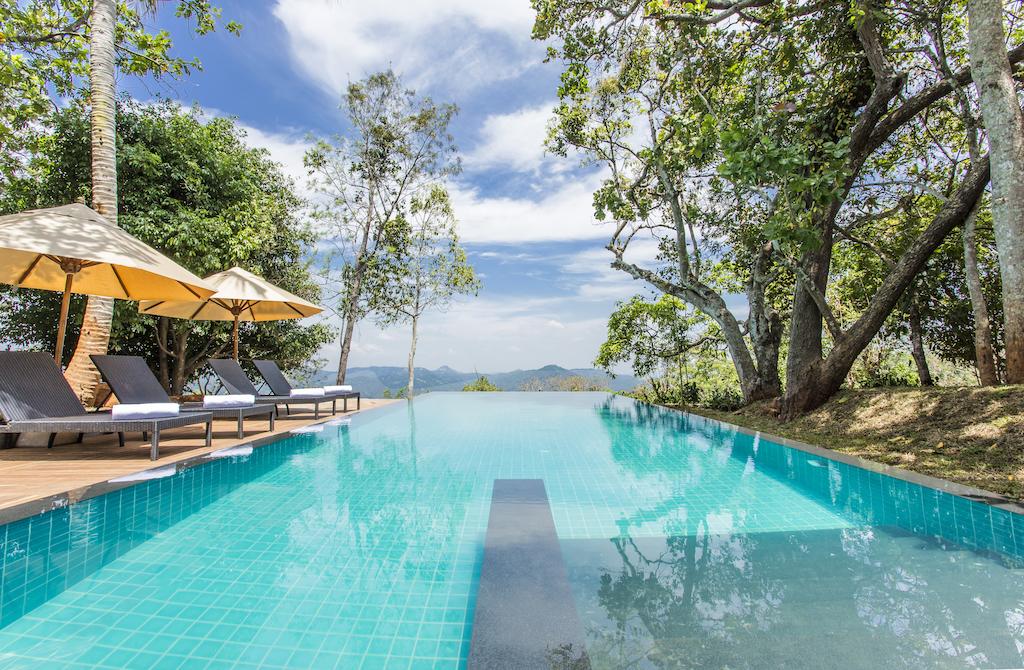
(565, 214)
(287, 148)
(513, 141)
(455, 43)
(489, 335)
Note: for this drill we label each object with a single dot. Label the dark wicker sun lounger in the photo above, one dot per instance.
(234, 379)
(132, 381)
(35, 398)
(279, 384)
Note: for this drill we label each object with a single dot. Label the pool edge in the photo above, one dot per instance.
(55, 501)
(971, 493)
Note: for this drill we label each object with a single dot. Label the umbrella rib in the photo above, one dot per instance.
(189, 289)
(196, 313)
(295, 309)
(30, 269)
(154, 305)
(120, 281)
(252, 313)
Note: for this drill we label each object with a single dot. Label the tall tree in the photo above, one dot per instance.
(1000, 107)
(99, 311)
(432, 269)
(398, 147)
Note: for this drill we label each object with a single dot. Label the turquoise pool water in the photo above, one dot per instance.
(688, 544)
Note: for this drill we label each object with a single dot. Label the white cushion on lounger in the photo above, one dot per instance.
(338, 389)
(147, 410)
(307, 393)
(228, 401)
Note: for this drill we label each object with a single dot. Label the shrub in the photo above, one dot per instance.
(480, 384)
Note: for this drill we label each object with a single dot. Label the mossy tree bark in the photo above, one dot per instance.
(1000, 109)
(99, 312)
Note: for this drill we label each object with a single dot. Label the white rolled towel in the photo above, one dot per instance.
(338, 389)
(228, 401)
(147, 410)
(307, 393)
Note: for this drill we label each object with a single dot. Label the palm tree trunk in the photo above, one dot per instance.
(99, 312)
(993, 77)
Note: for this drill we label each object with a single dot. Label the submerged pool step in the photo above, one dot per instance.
(525, 614)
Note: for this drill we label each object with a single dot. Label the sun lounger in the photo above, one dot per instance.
(279, 384)
(35, 398)
(131, 380)
(234, 380)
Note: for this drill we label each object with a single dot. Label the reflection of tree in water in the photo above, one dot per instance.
(698, 583)
(391, 518)
(875, 597)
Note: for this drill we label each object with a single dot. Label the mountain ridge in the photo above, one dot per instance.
(372, 381)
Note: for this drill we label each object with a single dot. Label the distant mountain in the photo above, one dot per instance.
(373, 381)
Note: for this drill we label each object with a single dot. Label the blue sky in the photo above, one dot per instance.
(525, 217)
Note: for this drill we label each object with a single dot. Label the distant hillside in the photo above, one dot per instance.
(373, 381)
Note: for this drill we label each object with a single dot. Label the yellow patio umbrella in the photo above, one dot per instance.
(75, 250)
(240, 296)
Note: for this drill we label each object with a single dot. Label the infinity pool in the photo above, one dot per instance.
(687, 544)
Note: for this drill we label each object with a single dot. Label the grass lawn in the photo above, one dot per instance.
(973, 436)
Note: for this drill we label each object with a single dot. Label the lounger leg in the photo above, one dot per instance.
(359, 401)
(120, 439)
(209, 433)
(241, 426)
(273, 419)
(334, 407)
(10, 439)
(316, 410)
(81, 436)
(145, 435)
(49, 442)
(154, 444)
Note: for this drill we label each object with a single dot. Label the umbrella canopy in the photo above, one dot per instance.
(240, 296)
(75, 250)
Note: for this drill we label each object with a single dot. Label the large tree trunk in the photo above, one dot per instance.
(180, 361)
(822, 378)
(1001, 111)
(353, 291)
(984, 351)
(924, 375)
(351, 314)
(162, 328)
(99, 312)
(410, 388)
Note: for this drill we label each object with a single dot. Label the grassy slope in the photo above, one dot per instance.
(974, 436)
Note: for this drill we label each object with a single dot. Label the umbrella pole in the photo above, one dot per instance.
(235, 336)
(65, 304)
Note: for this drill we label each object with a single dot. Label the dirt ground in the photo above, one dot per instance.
(973, 436)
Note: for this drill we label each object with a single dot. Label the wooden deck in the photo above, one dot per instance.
(29, 473)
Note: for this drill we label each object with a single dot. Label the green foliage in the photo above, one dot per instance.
(646, 334)
(191, 188)
(430, 266)
(571, 383)
(480, 384)
(44, 49)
